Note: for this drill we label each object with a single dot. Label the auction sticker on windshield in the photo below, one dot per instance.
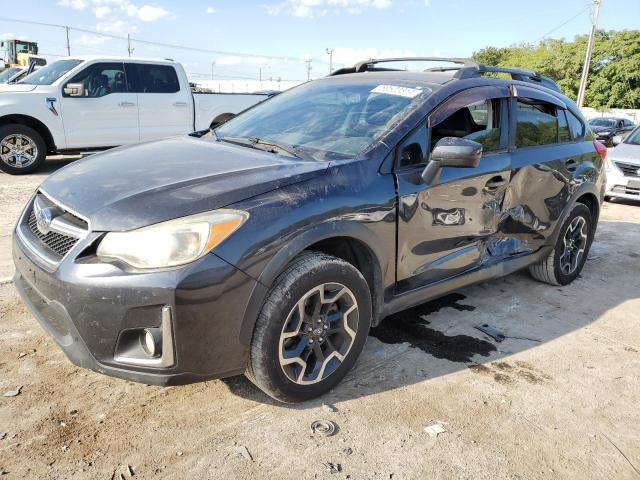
(396, 90)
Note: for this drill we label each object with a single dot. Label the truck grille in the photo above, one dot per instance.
(58, 243)
(629, 170)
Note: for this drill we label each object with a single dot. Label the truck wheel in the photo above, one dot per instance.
(566, 260)
(22, 149)
(312, 327)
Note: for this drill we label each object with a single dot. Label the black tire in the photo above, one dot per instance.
(549, 270)
(33, 136)
(305, 273)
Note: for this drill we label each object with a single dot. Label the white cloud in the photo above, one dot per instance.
(148, 13)
(114, 10)
(427, 3)
(350, 56)
(317, 8)
(89, 41)
(102, 11)
(7, 36)
(116, 27)
(211, 10)
(75, 4)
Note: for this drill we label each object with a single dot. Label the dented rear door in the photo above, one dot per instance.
(544, 162)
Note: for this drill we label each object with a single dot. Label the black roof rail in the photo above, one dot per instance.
(369, 65)
(464, 68)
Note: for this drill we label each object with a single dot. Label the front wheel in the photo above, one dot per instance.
(22, 149)
(566, 260)
(312, 327)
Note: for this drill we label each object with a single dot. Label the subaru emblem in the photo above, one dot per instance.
(43, 218)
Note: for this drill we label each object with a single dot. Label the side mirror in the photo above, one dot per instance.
(616, 140)
(74, 89)
(452, 152)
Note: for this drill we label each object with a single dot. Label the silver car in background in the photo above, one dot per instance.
(623, 168)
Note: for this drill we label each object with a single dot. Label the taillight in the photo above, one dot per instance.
(601, 149)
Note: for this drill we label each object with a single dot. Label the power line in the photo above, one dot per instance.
(154, 43)
(564, 23)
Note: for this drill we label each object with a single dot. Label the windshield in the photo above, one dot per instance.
(328, 119)
(8, 73)
(50, 73)
(602, 122)
(634, 137)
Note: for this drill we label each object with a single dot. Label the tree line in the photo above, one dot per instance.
(614, 75)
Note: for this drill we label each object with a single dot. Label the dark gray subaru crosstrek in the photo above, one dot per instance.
(271, 245)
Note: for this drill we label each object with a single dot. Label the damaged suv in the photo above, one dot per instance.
(271, 245)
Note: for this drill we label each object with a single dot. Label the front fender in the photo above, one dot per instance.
(331, 229)
(34, 108)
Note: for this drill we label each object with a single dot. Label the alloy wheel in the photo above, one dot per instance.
(574, 245)
(18, 151)
(318, 333)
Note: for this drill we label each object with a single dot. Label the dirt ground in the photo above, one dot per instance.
(557, 399)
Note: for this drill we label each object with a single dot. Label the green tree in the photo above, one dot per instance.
(614, 75)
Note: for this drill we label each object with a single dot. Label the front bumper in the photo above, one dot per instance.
(86, 305)
(620, 185)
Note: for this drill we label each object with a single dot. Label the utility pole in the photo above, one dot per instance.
(587, 58)
(260, 74)
(213, 64)
(66, 29)
(308, 62)
(129, 49)
(330, 53)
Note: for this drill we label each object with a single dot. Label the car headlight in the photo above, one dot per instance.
(172, 243)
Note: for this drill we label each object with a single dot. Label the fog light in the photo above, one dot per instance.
(151, 341)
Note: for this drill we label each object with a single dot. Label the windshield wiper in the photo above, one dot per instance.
(255, 142)
(276, 146)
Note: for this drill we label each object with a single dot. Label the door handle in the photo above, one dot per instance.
(495, 183)
(179, 104)
(127, 104)
(571, 165)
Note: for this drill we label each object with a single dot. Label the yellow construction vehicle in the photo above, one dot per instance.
(20, 53)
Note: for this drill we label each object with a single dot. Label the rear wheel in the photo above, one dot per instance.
(311, 329)
(22, 149)
(566, 260)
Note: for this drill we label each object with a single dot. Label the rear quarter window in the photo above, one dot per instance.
(575, 125)
(537, 124)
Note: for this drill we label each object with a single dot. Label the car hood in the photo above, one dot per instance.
(626, 152)
(16, 88)
(598, 129)
(131, 187)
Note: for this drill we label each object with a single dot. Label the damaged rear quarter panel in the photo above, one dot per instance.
(541, 189)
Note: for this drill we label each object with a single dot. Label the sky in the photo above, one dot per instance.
(248, 38)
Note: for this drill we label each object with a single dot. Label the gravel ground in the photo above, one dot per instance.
(559, 401)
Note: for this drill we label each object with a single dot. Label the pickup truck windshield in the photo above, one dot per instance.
(329, 119)
(49, 74)
(8, 73)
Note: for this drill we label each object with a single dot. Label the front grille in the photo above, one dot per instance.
(64, 231)
(629, 170)
(58, 243)
(626, 190)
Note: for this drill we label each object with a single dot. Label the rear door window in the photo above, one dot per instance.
(149, 78)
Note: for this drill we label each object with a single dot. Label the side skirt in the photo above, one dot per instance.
(432, 291)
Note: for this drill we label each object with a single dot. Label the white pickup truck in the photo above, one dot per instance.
(89, 103)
